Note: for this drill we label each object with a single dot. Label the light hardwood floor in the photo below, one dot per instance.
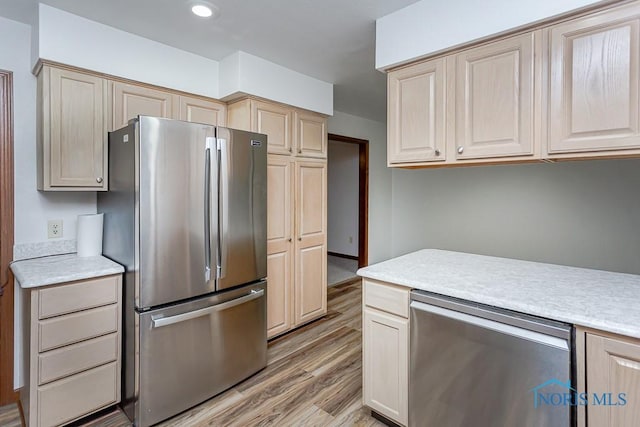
(313, 378)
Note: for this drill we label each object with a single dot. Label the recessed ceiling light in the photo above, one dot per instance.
(202, 10)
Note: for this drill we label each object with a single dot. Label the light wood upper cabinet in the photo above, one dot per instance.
(280, 208)
(495, 99)
(417, 113)
(274, 121)
(290, 131)
(200, 110)
(593, 88)
(310, 135)
(72, 131)
(129, 101)
(613, 367)
(311, 240)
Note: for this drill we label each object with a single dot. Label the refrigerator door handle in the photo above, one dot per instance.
(207, 208)
(166, 321)
(223, 205)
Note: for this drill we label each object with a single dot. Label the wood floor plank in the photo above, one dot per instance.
(313, 378)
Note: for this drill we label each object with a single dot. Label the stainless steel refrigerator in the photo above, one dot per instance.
(186, 215)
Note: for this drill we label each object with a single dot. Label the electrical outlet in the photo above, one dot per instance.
(54, 228)
(350, 239)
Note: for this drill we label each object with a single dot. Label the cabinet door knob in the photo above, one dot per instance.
(299, 150)
(290, 149)
(299, 239)
(99, 179)
(437, 152)
(460, 149)
(289, 239)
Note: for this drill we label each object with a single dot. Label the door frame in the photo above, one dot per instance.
(7, 393)
(363, 194)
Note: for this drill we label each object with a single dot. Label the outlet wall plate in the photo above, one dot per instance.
(54, 228)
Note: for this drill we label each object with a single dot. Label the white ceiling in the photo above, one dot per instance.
(332, 40)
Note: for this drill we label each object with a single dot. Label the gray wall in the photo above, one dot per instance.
(584, 214)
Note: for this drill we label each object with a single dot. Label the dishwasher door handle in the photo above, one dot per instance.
(493, 325)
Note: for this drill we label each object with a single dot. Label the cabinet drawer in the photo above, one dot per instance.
(78, 395)
(71, 328)
(387, 297)
(77, 296)
(75, 358)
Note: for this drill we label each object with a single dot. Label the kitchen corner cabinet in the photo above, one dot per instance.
(385, 331)
(417, 99)
(613, 366)
(290, 131)
(72, 350)
(593, 89)
(72, 133)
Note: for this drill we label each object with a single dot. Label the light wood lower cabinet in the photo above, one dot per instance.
(613, 375)
(385, 351)
(72, 352)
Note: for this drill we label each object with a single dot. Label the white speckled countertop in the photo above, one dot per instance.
(592, 298)
(31, 273)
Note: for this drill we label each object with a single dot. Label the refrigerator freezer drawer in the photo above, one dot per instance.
(193, 351)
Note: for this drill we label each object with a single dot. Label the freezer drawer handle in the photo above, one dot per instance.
(165, 321)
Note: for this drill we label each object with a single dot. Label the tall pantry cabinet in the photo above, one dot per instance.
(296, 211)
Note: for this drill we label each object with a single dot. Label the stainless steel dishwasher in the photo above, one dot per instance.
(475, 365)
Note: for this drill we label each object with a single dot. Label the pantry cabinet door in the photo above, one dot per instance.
(311, 241)
(280, 198)
(416, 119)
(593, 89)
(613, 366)
(495, 99)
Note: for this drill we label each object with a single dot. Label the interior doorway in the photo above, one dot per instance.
(348, 204)
(7, 394)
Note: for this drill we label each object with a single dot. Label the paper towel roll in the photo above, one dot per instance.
(90, 235)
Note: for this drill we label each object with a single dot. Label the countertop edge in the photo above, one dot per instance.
(58, 269)
(590, 323)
